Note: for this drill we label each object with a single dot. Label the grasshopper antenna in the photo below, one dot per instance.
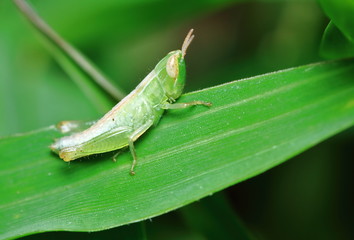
(187, 41)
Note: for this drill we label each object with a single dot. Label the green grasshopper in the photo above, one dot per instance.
(135, 114)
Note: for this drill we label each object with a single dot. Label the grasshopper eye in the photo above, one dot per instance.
(172, 66)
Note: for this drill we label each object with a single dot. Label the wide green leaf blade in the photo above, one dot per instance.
(253, 125)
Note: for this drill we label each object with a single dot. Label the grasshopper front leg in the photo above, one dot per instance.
(184, 105)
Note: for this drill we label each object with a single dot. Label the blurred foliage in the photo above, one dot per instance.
(335, 44)
(338, 39)
(126, 39)
(308, 197)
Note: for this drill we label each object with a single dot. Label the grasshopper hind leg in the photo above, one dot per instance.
(133, 137)
(133, 152)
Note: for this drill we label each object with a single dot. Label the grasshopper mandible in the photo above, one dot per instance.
(135, 114)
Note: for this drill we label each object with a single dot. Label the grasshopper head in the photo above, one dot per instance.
(175, 74)
(172, 69)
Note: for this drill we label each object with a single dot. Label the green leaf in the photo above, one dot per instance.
(334, 44)
(135, 231)
(253, 125)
